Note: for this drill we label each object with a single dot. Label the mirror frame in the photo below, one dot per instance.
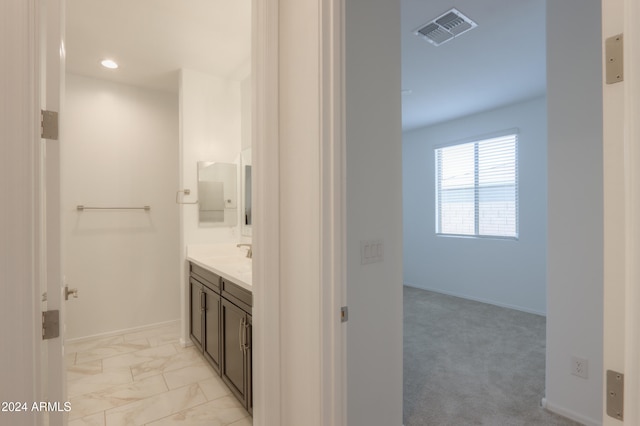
(247, 188)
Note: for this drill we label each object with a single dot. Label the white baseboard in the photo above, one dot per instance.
(123, 331)
(572, 415)
(185, 343)
(477, 299)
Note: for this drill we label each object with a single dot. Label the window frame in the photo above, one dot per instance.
(476, 187)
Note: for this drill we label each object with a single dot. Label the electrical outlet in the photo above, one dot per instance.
(579, 367)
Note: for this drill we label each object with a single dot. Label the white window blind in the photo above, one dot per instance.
(477, 188)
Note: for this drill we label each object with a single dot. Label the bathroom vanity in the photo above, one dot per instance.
(220, 304)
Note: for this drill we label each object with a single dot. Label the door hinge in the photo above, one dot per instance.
(344, 314)
(49, 125)
(614, 55)
(615, 395)
(50, 324)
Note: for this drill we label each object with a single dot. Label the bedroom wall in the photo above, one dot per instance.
(510, 273)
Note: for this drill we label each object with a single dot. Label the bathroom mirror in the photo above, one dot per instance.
(245, 164)
(217, 193)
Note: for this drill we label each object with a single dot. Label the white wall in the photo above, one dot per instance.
(575, 206)
(373, 343)
(121, 145)
(374, 211)
(210, 130)
(503, 272)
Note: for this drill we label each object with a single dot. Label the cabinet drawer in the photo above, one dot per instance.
(241, 297)
(207, 278)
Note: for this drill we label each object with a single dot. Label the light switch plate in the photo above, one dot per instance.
(371, 251)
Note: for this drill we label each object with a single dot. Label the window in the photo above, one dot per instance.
(477, 188)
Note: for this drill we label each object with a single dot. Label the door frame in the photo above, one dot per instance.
(19, 220)
(269, 406)
(54, 57)
(333, 294)
(24, 305)
(266, 201)
(632, 217)
(33, 57)
(621, 106)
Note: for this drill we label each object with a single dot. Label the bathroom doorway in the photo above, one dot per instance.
(122, 164)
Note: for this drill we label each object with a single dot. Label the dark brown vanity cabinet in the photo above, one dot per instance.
(196, 324)
(205, 313)
(249, 364)
(211, 348)
(236, 327)
(221, 327)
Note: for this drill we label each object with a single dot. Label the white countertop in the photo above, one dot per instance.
(225, 260)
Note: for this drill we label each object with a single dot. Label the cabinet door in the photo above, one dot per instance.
(195, 311)
(212, 328)
(233, 360)
(248, 363)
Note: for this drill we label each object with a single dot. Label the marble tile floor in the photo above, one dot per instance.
(146, 378)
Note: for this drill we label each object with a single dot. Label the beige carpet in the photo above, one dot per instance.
(470, 363)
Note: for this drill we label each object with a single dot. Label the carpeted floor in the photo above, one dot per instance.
(470, 363)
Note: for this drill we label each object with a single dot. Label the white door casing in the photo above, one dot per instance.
(621, 108)
(333, 270)
(632, 217)
(31, 58)
(631, 101)
(266, 226)
(20, 271)
(52, 68)
(614, 209)
(312, 388)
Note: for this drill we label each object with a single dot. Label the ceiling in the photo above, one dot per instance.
(500, 62)
(152, 39)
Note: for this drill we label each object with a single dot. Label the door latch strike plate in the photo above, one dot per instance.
(50, 324)
(49, 125)
(344, 314)
(615, 395)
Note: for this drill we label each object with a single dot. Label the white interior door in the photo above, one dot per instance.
(52, 84)
(621, 191)
(632, 296)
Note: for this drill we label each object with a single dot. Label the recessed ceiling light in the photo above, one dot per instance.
(108, 63)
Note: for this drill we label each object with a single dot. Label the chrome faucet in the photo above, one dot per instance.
(249, 252)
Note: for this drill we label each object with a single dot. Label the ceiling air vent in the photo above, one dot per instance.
(445, 27)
